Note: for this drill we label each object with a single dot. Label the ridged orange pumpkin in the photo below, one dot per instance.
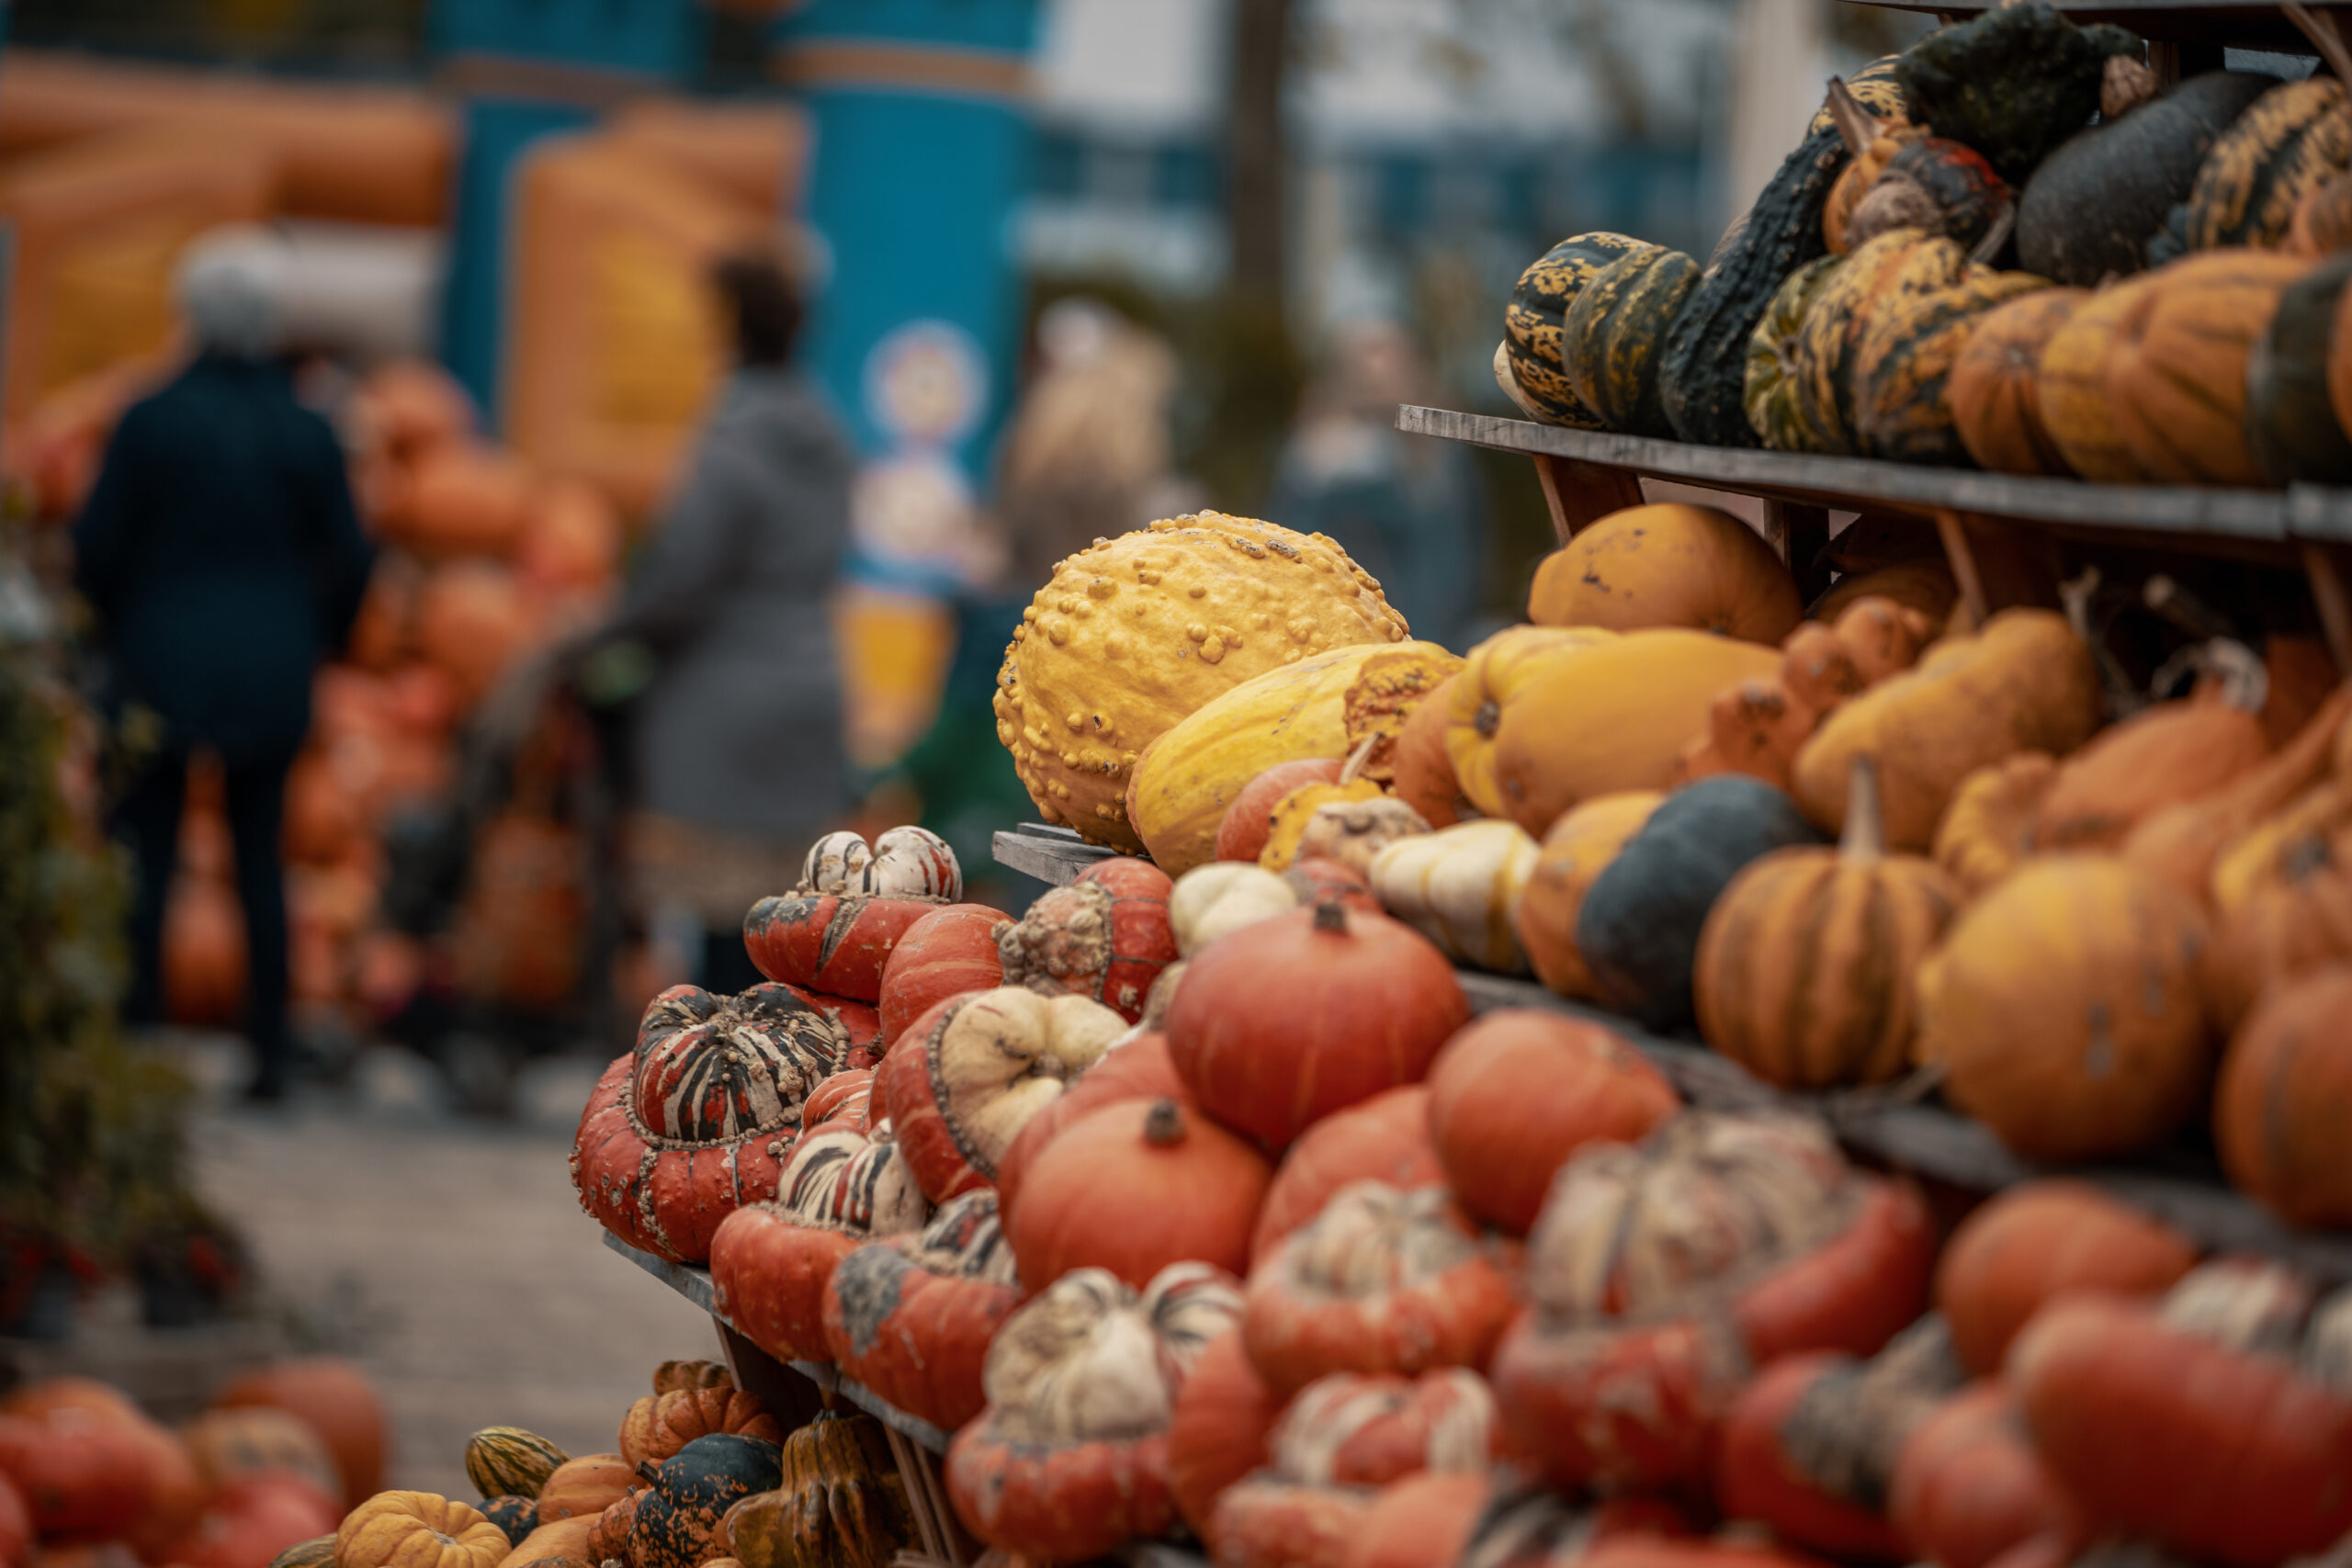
(2281, 1109)
(1667, 565)
(1805, 967)
(1967, 1486)
(1385, 1138)
(584, 1487)
(2030, 1244)
(1576, 850)
(2066, 1011)
(418, 1529)
(661, 1424)
(1495, 674)
(2072, 384)
(2176, 368)
(2295, 918)
(1218, 1432)
(1995, 385)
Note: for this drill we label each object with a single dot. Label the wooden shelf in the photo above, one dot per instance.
(2216, 23)
(1050, 854)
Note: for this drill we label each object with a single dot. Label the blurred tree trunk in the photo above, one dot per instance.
(1260, 148)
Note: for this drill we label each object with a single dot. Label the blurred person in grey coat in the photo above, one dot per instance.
(738, 750)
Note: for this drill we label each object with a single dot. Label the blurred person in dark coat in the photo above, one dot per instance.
(739, 756)
(222, 557)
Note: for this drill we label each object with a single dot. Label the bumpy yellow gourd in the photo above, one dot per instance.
(1133, 633)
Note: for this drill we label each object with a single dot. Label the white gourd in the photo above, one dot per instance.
(1460, 887)
(1211, 901)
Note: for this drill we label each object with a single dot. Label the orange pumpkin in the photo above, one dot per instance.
(229, 1445)
(1994, 387)
(204, 953)
(1762, 1471)
(1138, 1070)
(661, 1424)
(2071, 381)
(1967, 1486)
(1515, 1095)
(1424, 773)
(340, 1404)
(1988, 827)
(418, 1529)
(1250, 819)
(77, 1473)
(2178, 844)
(2286, 1089)
(1387, 1138)
(584, 1487)
(2296, 917)
(1218, 1433)
(1667, 565)
(2163, 755)
(571, 538)
(946, 953)
(2037, 1241)
(247, 1525)
(1576, 851)
(467, 499)
(2175, 371)
(414, 406)
(1497, 673)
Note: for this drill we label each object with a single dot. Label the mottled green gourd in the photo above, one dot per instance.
(1614, 330)
(2013, 84)
(1534, 323)
(1904, 366)
(1775, 407)
(1702, 378)
(1882, 281)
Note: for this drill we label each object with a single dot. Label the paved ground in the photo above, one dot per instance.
(450, 1254)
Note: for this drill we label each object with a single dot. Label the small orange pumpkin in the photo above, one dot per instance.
(2286, 1097)
(2176, 370)
(418, 1529)
(1575, 852)
(661, 1424)
(584, 1487)
(2295, 918)
(1995, 387)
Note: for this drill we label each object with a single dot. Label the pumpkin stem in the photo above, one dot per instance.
(2004, 222)
(1163, 1125)
(1864, 840)
(2124, 85)
(1358, 758)
(1857, 126)
(1330, 915)
(1489, 720)
(2319, 26)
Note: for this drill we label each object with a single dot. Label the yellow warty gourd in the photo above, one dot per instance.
(1135, 633)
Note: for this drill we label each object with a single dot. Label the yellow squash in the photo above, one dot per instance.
(1498, 670)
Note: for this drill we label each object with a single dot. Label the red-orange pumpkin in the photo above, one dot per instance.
(1968, 1486)
(911, 1318)
(661, 1424)
(2285, 1099)
(945, 954)
(1223, 1415)
(2034, 1242)
(1422, 1521)
(1104, 937)
(847, 1096)
(1098, 1195)
(1249, 820)
(1278, 1025)
(78, 1474)
(1387, 1138)
(252, 1521)
(1138, 1070)
(1517, 1093)
(1759, 1476)
(341, 1405)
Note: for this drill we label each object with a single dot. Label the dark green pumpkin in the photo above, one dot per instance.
(316, 1552)
(2013, 84)
(1534, 323)
(691, 1491)
(2290, 426)
(507, 1461)
(2295, 137)
(1702, 377)
(1612, 334)
(1905, 361)
(2093, 205)
(1775, 409)
(1638, 928)
(518, 1517)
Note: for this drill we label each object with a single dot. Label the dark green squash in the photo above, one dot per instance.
(518, 1517)
(1534, 323)
(1905, 360)
(1638, 929)
(1613, 332)
(2093, 205)
(693, 1490)
(1876, 281)
(1703, 378)
(2290, 425)
(2295, 138)
(316, 1552)
(1774, 404)
(2013, 84)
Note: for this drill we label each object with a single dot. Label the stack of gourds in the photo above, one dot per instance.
(1956, 268)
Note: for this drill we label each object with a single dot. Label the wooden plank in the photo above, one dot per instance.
(1579, 495)
(1802, 536)
(1048, 859)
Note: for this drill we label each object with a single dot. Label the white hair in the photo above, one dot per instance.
(231, 284)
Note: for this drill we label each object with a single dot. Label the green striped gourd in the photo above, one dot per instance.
(1884, 274)
(1534, 323)
(1613, 333)
(1775, 408)
(507, 1461)
(1904, 365)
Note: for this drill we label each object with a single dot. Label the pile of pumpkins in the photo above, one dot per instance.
(89, 1480)
(2169, 310)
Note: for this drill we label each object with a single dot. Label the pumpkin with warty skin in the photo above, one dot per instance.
(840, 1502)
(1639, 926)
(2176, 368)
(910, 1318)
(1610, 717)
(2279, 1111)
(2290, 427)
(1760, 1471)
(1995, 385)
(1139, 1069)
(2033, 1242)
(1514, 1096)
(2012, 82)
(1385, 1138)
(1350, 833)
(2025, 681)
(1094, 1197)
(1902, 367)
(1104, 937)
(1805, 969)
(834, 931)
(1424, 773)
(2070, 384)
(1183, 784)
(692, 1492)
(1290, 1020)
(2190, 1422)
(948, 952)
(2065, 1010)
(608, 1535)
(661, 1424)
(1967, 1486)
(1460, 887)
(584, 1487)
(2294, 919)
(1772, 395)
(1535, 325)
(1224, 1416)
(1613, 331)
(846, 1097)
(2089, 208)
(1389, 689)
(1702, 373)
(1070, 1458)
(1667, 565)
(961, 1082)
(517, 1517)
(1381, 1280)
(1660, 1274)
(1497, 673)
(418, 1529)
(1241, 836)
(1580, 844)
(339, 1402)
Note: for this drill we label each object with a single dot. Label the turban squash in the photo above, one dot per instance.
(1070, 1458)
(834, 931)
(1967, 1486)
(1460, 887)
(1667, 565)
(1536, 330)
(1103, 937)
(1660, 1274)
(2217, 1423)
(2279, 1112)
(698, 1119)
(1497, 673)
(911, 1317)
(1133, 635)
(1422, 1521)
(945, 954)
(1223, 1422)
(1137, 1069)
